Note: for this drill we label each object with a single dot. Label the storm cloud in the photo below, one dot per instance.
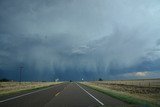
(74, 39)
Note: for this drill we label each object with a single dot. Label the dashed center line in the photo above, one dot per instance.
(60, 91)
(57, 94)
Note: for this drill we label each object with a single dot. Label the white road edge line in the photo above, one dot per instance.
(23, 95)
(90, 95)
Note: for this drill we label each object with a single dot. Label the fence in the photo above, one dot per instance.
(144, 82)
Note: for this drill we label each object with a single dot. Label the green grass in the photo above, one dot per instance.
(24, 90)
(9, 88)
(123, 96)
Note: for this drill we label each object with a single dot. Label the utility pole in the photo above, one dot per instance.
(20, 73)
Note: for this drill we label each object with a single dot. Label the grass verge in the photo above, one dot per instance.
(26, 87)
(123, 96)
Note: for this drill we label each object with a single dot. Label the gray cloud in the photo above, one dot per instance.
(88, 37)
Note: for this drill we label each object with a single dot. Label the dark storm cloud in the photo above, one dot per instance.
(77, 39)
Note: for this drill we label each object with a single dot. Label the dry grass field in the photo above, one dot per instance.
(13, 87)
(138, 82)
(142, 90)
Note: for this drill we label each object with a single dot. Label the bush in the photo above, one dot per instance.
(100, 79)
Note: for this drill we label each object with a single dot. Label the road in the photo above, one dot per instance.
(62, 95)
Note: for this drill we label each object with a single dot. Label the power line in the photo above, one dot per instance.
(20, 73)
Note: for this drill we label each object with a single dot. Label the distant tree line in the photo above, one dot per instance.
(4, 80)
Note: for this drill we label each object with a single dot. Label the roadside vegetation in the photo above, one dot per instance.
(147, 95)
(14, 87)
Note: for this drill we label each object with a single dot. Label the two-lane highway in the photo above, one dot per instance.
(63, 95)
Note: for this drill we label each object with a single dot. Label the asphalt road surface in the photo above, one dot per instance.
(62, 95)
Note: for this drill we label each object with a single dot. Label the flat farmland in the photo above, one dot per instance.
(146, 91)
(138, 82)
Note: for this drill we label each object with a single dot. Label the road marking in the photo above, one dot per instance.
(90, 95)
(57, 94)
(24, 95)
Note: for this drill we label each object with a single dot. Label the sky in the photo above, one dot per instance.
(75, 39)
